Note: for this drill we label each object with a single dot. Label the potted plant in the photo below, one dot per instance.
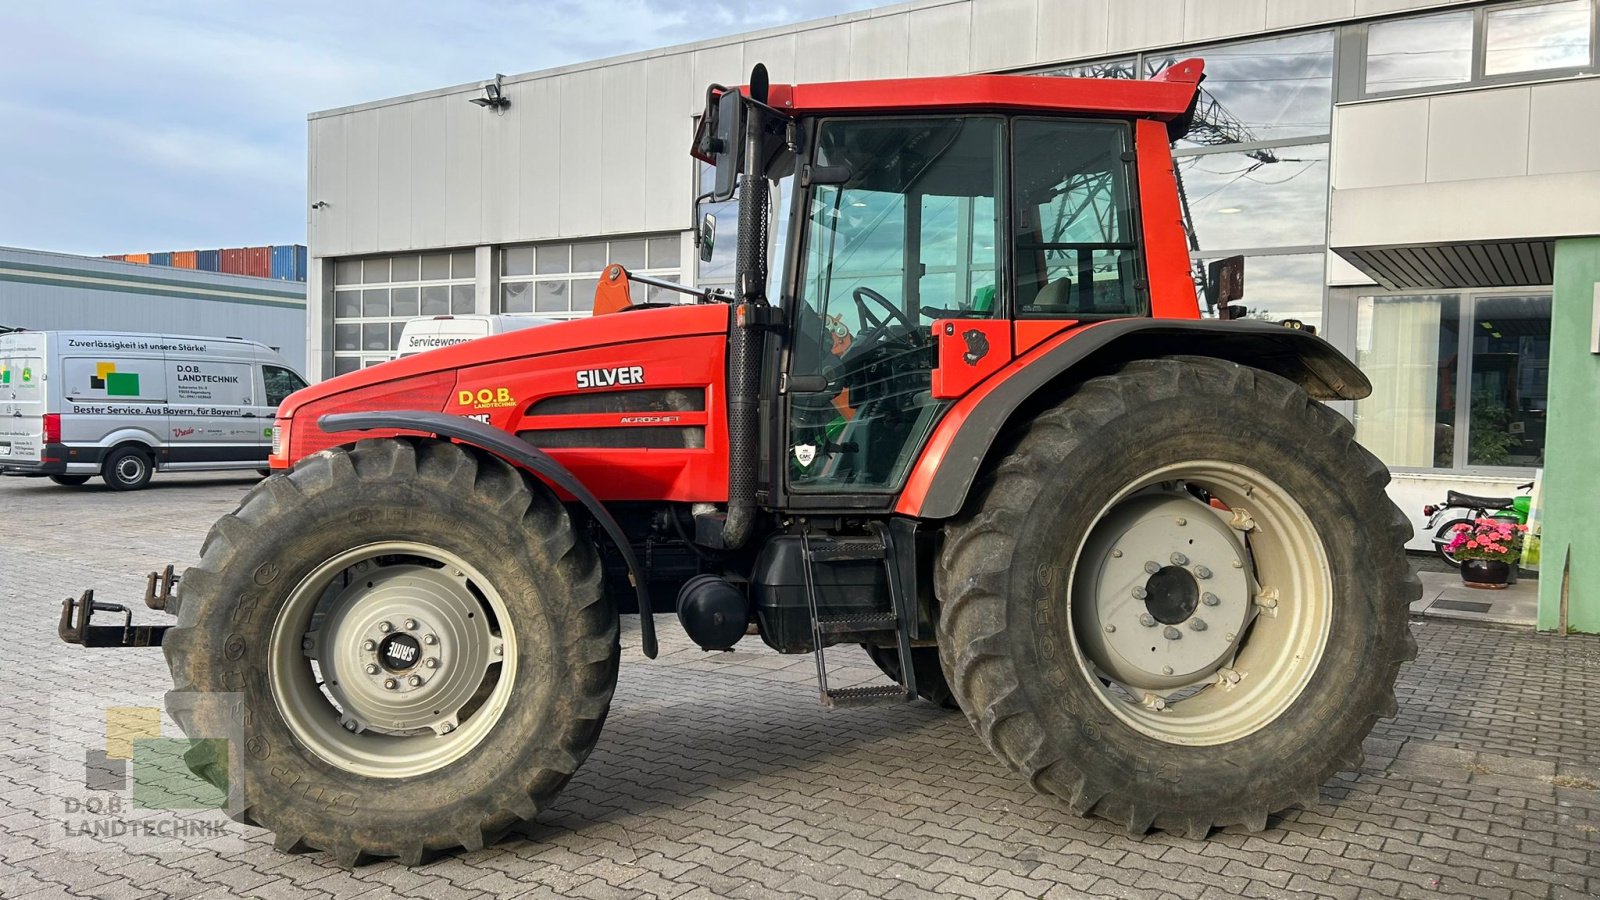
(1487, 548)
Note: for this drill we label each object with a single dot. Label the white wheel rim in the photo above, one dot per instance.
(1210, 671)
(405, 638)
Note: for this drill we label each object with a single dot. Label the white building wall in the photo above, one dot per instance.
(1473, 165)
(602, 147)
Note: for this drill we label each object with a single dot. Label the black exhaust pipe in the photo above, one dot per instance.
(745, 337)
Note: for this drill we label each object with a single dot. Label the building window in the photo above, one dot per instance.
(1255, 92)
(559, 279)
(1536, 38)
(373, 298)
(1459, 379)
(1486, 45)
(1428, 51)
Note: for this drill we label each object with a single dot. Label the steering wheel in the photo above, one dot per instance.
(878, 327)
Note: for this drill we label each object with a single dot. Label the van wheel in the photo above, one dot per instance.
(127, 469)
(69, 480)
(264, 473)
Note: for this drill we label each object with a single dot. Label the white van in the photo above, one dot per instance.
(433, 332)
(75, 404)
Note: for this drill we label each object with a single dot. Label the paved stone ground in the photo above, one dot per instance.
(721, 776)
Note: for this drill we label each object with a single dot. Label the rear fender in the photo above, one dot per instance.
(524, 456)
(959, 445)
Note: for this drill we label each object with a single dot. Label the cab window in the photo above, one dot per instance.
(1075, 250)
(904, 235)
(280, 383)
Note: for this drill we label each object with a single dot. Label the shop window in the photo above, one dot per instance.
(1459, 379)
(1257, 91)
(1263, 198)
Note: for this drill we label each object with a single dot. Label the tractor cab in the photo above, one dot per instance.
(938, 228)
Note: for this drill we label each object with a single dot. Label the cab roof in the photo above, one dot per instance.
(1166, 96)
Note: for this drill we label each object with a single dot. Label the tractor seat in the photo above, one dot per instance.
(1454, 499)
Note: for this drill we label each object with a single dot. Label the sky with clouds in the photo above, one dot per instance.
(166, 125)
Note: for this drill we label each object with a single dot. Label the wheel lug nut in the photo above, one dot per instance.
(385, 627)
(1172, 634)
(1152, 567)
(1140, 593)
(369, 645)
(1110, 628)
(446, 728)
(1202, 572)
(372, 669)
(1147, 620)
(1178, 559)
(1182, 521)
(1116, 554)
(390, 683)
(499, 650)
(1197, 624)
(1209, 599)
(410, 624)
(431, 663)
(349, 724)
(1166, 670)
(414, 680)
(308, 644)
(429, 639)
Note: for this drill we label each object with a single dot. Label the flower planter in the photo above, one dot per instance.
(1489, 574)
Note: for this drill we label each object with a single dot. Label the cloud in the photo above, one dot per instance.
(178, 124)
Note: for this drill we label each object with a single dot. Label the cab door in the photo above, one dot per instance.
(905, 239)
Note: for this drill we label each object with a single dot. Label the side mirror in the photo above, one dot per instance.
(719, 139)
(706, 237)
(1224, 282)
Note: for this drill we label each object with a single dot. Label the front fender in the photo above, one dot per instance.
(524, 456)
(956, 451)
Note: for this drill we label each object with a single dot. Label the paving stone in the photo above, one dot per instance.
(718, 775)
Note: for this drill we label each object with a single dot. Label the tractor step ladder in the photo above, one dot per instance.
(866, 625)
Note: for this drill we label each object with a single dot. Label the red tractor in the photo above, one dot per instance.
(978, 428)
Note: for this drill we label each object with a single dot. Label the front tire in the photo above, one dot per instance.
(1077, 587)
(411, 642)
(1442, 538)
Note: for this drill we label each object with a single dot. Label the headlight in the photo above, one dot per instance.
(280, 432)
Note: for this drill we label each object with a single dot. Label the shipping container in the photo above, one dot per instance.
(183, 259)
(208, 260)
(161, 259)
(258, 261)
(289, 262)
(142, 259)
(233, 261)
(119, 257)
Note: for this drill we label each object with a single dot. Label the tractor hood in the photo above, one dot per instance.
(497, 379)
(527, 344)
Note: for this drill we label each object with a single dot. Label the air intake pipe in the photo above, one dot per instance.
(744, 336)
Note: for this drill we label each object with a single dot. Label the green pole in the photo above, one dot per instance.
(1569, 567)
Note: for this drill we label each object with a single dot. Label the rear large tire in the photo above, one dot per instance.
(411, 642)
(1076, 587)
(70, 480)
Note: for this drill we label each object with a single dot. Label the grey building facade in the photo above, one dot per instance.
(1395, 173)
(54, 291)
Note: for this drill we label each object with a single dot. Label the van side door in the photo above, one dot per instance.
(211, 403)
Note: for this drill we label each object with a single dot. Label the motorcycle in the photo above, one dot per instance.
(1444, 517)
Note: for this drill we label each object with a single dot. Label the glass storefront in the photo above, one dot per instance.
(1459, 378)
